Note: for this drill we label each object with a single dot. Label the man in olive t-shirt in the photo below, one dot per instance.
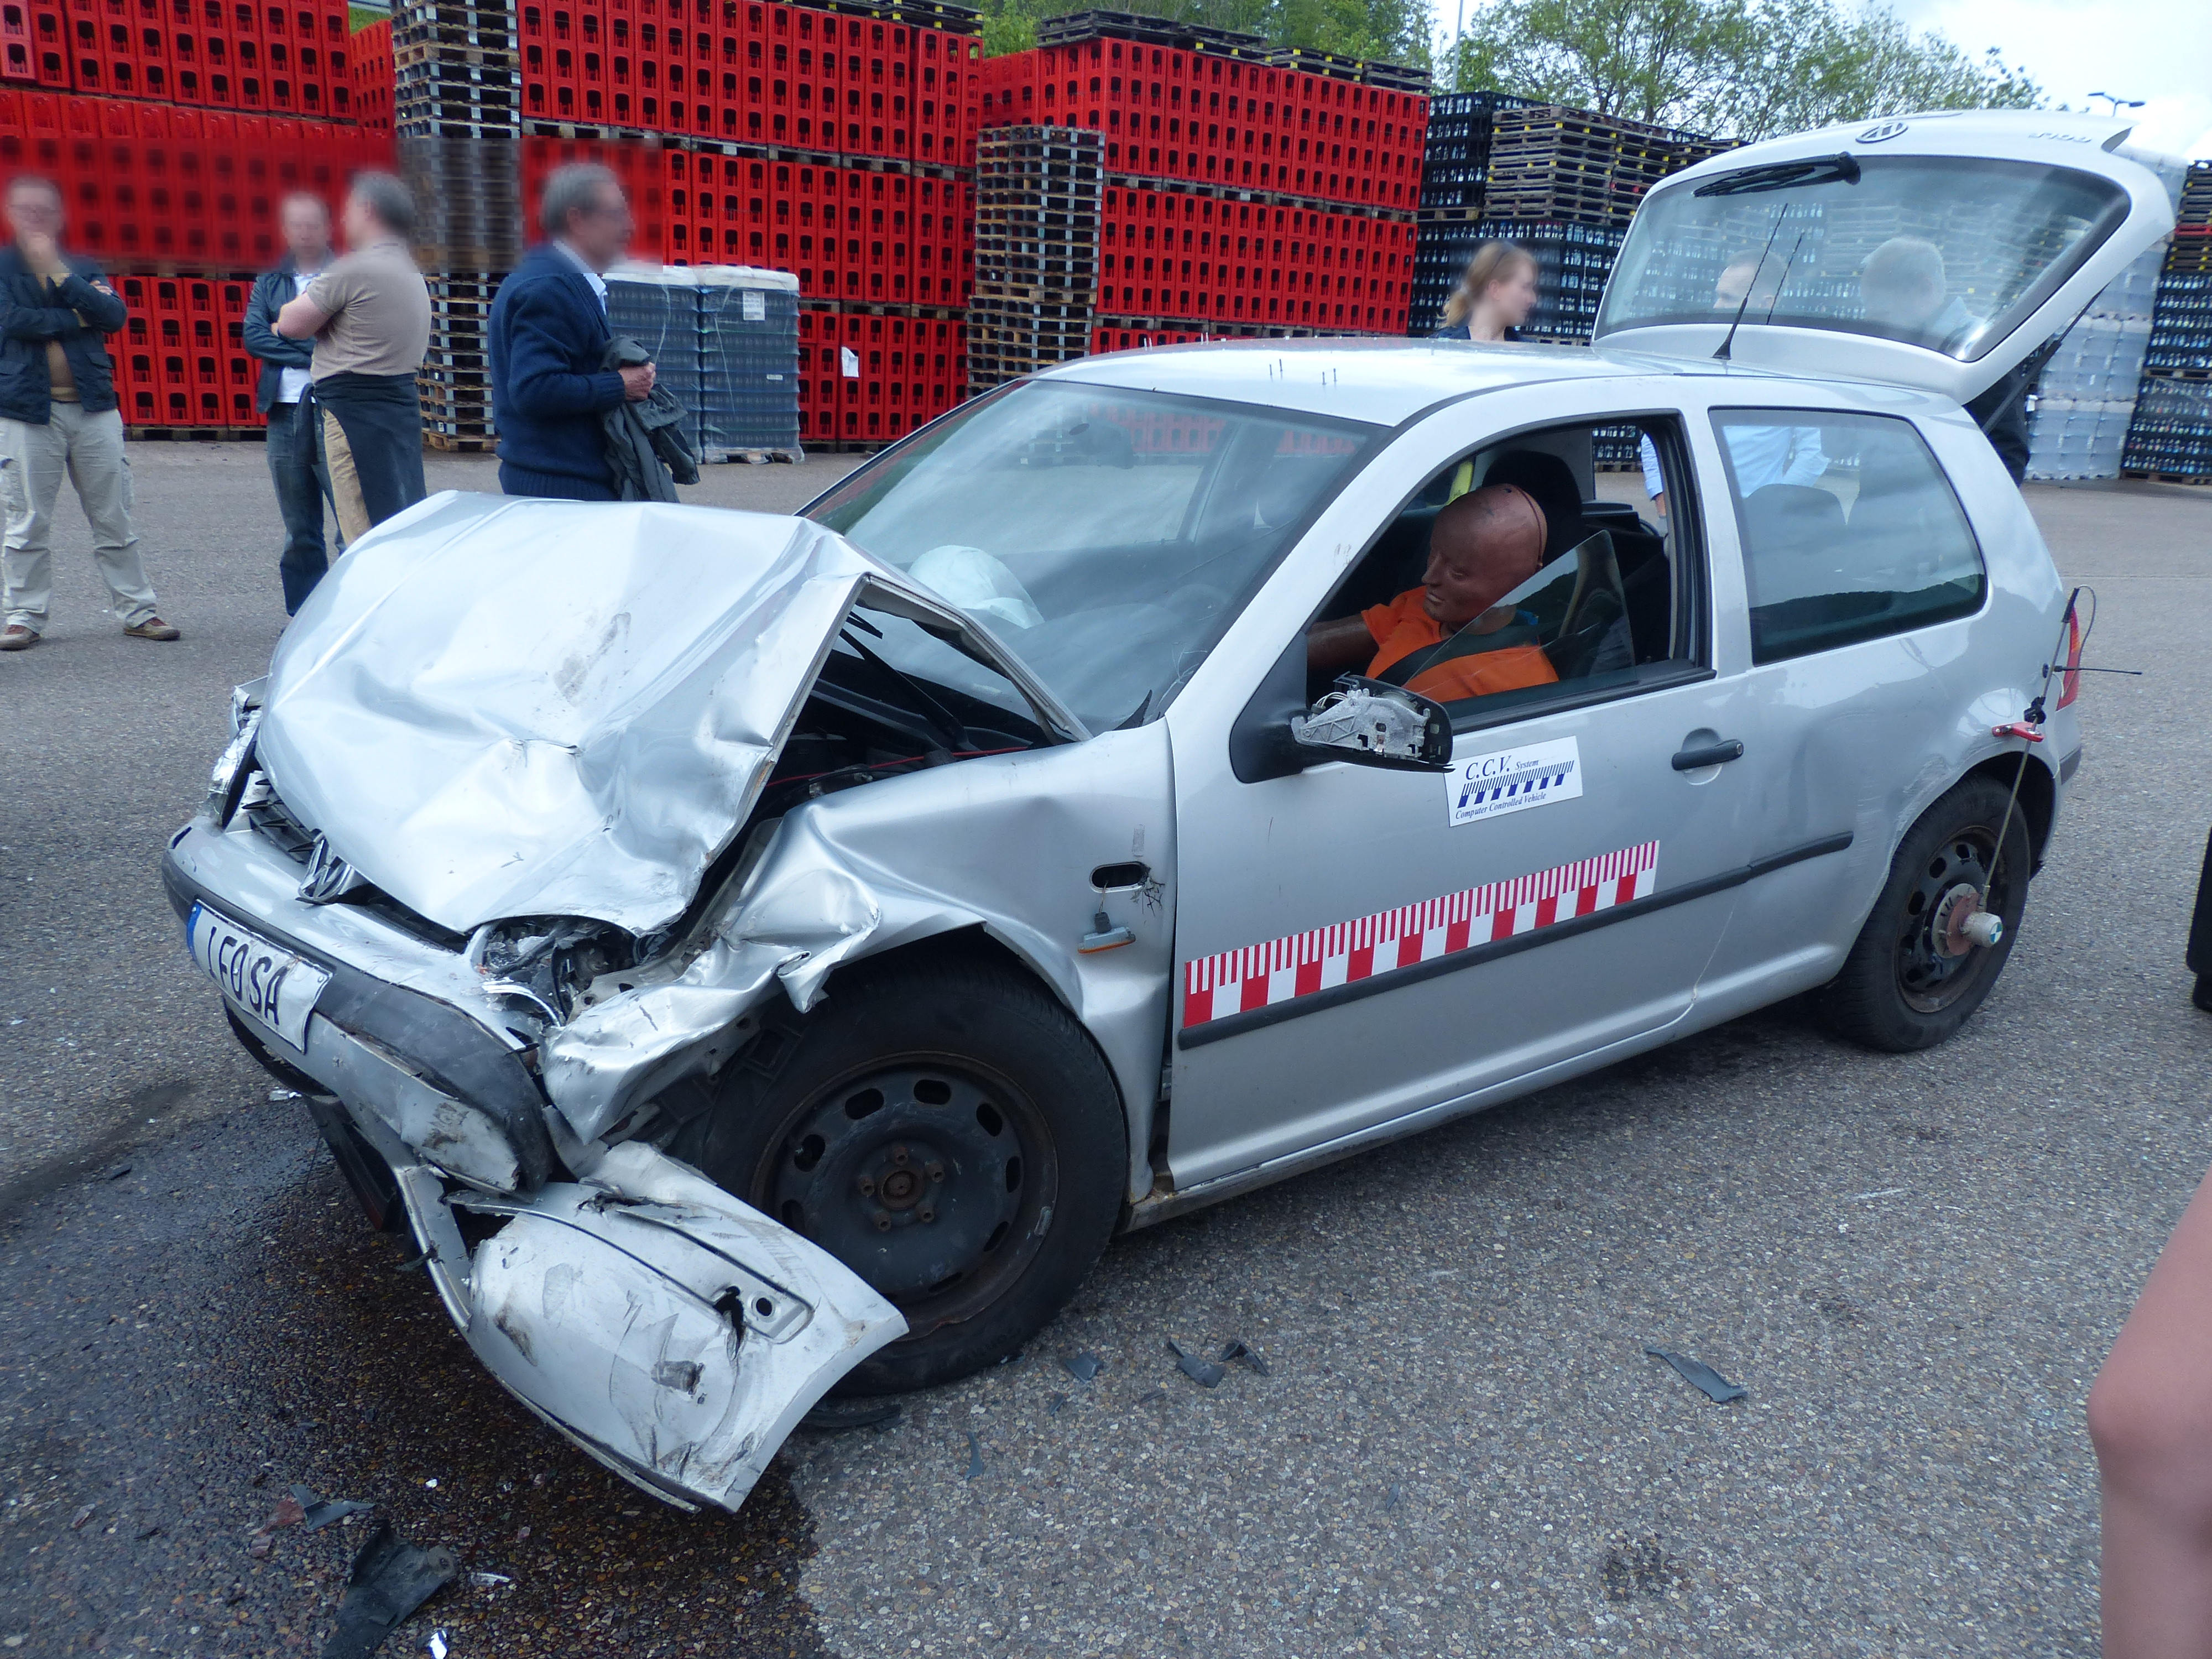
(369, 315)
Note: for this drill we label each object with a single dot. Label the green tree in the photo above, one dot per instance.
(1393, 31)
(1749, 69)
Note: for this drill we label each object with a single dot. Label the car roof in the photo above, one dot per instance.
(1382, 381)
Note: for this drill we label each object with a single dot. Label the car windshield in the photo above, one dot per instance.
(1107, 537)
(1947, 252)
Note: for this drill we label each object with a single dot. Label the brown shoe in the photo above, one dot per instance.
(16, 637)
(152, 628)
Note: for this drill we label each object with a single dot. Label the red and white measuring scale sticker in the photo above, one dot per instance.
(1299, 964)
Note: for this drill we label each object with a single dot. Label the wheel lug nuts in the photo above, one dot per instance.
(898, 1154)
(867, 1185)
(883, 1220)
(926, 1215)
(935, 1170)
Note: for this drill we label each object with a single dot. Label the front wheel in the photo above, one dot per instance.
(945, 1129)
(1914, 976)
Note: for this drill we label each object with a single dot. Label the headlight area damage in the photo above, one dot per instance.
(488, 870)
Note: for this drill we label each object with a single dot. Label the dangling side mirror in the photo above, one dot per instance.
(1372, 724)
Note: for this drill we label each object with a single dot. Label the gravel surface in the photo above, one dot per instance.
(1458, 1445)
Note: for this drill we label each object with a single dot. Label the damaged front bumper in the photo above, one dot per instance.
(672, 1331)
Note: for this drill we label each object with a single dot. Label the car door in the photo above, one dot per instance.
(1355, 945)
(1876, 644)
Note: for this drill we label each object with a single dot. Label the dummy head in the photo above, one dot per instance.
(1481, 547)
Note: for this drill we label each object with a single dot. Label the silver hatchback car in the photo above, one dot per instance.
(755, 953)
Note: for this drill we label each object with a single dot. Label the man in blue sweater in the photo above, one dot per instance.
(549, 337)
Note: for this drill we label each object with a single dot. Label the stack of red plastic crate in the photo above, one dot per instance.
(1216, 118)
(174, 128)
(1245, 189)
(835, 142)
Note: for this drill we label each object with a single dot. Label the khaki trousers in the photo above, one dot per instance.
(88, 450)
(345, 483)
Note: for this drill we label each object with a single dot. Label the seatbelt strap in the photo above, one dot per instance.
(1464, 644)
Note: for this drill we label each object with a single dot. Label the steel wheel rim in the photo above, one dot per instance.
(1929, 982)
(960, 1161)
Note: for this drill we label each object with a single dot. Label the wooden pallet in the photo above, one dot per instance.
(197, 434)
(454, 443)
(2146, 475)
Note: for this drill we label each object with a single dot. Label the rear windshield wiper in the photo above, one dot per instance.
(1783, 175)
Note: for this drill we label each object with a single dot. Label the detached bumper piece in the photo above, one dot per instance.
(674, 1333)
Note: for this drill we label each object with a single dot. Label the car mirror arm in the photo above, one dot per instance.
(1370, 723)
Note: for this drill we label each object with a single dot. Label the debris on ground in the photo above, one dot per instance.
(1394, 1497)
(316, 1513)
(838, 1416)
(491, 1580)
(78, 1521)
(437, 1644)
(1700, 1376)
(118, 1172)
(391, 1579)
(1083, 1367)
(277, 1096)
(153, 1531)
(975, 1456)
(1199, 1369)
(1052, 1405)
(1149, 1396)
(1244, 1354)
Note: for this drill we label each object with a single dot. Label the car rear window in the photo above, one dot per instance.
(1850, 529)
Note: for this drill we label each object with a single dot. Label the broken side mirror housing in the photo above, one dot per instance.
(1372, 724)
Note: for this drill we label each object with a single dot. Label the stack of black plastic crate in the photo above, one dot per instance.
(455, 114)
(1455, 178)
(1037, 198)
(2170, 436)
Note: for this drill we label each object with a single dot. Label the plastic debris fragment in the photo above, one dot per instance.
(391, 1579)
(1700, 1376)
(975, 1456)
(1083, 1367)
(316, 1513)
(1199, 1369)
(1245, 1355)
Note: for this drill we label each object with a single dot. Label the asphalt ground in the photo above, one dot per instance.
(1913, 1264)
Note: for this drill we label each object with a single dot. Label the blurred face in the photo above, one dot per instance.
(1734, 285)
(1511, 296)
(34, 210)
(305, 224)
(362, 225)
(599, 231)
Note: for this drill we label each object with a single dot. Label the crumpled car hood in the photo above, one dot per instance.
(496, 707)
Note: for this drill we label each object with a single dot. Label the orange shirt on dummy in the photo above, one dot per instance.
(1402, 627)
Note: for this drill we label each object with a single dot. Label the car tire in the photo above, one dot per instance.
(1899, 990)
(946, 1129)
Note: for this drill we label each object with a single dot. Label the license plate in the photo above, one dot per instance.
(275, 988)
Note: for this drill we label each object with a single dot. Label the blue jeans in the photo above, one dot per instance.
(303, 484)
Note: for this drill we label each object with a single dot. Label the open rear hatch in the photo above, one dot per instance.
(1935, 251)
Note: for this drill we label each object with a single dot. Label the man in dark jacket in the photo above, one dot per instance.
(548, 335)
(295, 447)
(58, 417)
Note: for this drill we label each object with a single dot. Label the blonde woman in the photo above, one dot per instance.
(1497, 292)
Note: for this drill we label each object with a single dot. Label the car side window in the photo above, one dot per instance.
(1607, 608)
(1851, 531)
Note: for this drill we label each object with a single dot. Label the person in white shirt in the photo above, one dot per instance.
(296, 466)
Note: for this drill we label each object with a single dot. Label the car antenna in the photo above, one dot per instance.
(1725, 351)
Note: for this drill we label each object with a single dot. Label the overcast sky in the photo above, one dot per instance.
(2159, 51)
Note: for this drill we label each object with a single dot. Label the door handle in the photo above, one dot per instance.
(1710, 754)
